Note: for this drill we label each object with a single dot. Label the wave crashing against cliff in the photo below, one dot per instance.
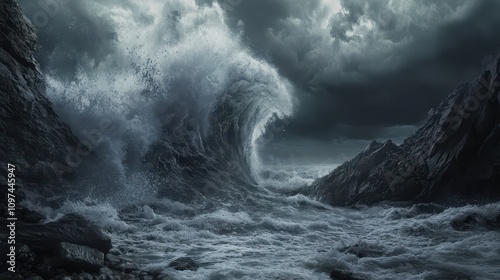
(187, 100)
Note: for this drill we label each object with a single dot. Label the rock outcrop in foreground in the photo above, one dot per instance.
(455, 155)
(33, 140)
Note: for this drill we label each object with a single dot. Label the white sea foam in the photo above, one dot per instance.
(293, 238)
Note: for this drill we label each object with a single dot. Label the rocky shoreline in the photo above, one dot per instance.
(71, 247)
(454, 158)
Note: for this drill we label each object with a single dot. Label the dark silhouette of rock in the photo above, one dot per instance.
(32, 139)
(362, 250)
(453, 157)
(75, 257)
(474, 221)
(10, 276)
(45, 238)
(184, 263)
(29, 216)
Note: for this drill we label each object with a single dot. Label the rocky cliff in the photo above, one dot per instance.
(38, 144)
(33, 139)
(453, 157)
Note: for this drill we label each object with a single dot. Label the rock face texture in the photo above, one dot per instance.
(33, 138)
(35, 141)
(454, 156)
(184, 263)
(44, 238)
(83, 257)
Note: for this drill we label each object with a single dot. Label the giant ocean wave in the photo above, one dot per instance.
(189, 101)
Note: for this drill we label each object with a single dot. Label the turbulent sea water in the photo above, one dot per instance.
(180, 175)
(274, 236)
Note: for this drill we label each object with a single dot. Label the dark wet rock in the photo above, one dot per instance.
(75, 220)
(75, 256)
(427, 208)
(45, 238)
(184, 263)
(454, 157)
(416, 210)
(10, 276)
(44, 267)
(84, 276)
(46, 270)
(465, 222)
(363, 250)
(29, 216)
(127, 267)
(54, 268)
(23, 254)
(473, 221)
(32, 138)
(105, 271)
(340, 274)
(163, 276)
(112, 259)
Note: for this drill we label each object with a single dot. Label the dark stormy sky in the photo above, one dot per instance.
(361, 69)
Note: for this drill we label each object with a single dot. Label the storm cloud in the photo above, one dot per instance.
(363, 66)
(73, 34)
(359, 68)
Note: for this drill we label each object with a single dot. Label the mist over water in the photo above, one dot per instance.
(180, 172)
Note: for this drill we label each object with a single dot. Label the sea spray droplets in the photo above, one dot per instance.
(161, 84)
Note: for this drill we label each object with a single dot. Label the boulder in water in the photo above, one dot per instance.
(44, 238)
(184, 263)
(73, 257)
(472, 221)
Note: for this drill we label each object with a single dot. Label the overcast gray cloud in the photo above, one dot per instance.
(367, 65)
(358, 67)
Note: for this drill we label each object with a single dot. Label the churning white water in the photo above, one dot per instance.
(274, 236)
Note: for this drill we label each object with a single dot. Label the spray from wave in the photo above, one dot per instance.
(188, 102)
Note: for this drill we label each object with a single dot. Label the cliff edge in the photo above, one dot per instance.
(33, 139)
(453, 157)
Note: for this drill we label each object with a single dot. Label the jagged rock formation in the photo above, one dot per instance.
(32, 138)
(184, 263)
(37, 143)
(455, 155)
(77, 256)
(45, 238)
